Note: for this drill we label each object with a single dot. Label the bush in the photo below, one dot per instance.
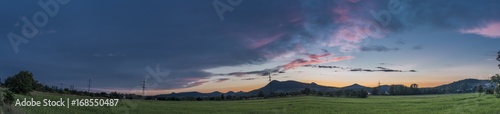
(497, 90)
(489, 91)
(21, 83)
(362, 94)
(8, 97)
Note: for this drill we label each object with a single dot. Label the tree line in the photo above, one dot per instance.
(263, 95)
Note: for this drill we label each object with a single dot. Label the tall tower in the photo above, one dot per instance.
(270, 77)
(88, 90)
(269, 74)
(378, 83)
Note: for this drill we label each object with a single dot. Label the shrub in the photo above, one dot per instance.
(362, 94)
(8, 97)
(489, 91)
(497, 90)
(21, 83)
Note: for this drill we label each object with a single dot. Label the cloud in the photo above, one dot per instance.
(378, 48)
(248, 79)
(188, 38)
(401, 42)
(193, 84)
(263, 41)
(490, 30)
(221, 79)
(380, 69)
(350, 69)
(417, 47)
(462, 15)
(313, 59)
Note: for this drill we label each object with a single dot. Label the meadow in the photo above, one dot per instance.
(445, 103)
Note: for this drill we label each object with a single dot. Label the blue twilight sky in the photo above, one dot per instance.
(233, 45)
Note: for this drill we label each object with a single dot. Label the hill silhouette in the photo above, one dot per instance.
(465, 85)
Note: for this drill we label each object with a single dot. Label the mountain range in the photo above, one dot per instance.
(293, 86)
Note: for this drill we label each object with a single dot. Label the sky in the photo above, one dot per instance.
(234, 45)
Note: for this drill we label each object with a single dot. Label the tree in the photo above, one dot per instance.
(414, 89)
(8, 97)
(480, 89)
(306, 91)
(498, 58)
(261, 94)
(497, 90)
(362, 94)
(489, 91)
(375, 91)
(496, 79)
(392, 90)
(21, 83)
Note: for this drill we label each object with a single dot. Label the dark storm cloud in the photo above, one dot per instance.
(112, 43)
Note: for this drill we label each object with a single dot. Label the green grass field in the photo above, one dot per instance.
(448, 103)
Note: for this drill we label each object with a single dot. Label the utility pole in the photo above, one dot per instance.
(269, 73)
(379, 83)
(143, 86)
(62, 88)
(270, 77)
(89, 86)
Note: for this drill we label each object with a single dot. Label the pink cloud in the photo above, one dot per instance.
(273, 55)
(491, 30)
(264, 41)
(342, 15)
(351, 29)
(314, 59)
(315, 56)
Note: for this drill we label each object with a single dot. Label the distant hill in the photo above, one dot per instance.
(464, 85)
(289, 86)
(356, 87)
(465, 82)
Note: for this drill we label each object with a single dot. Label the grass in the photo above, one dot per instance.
(447, 103)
